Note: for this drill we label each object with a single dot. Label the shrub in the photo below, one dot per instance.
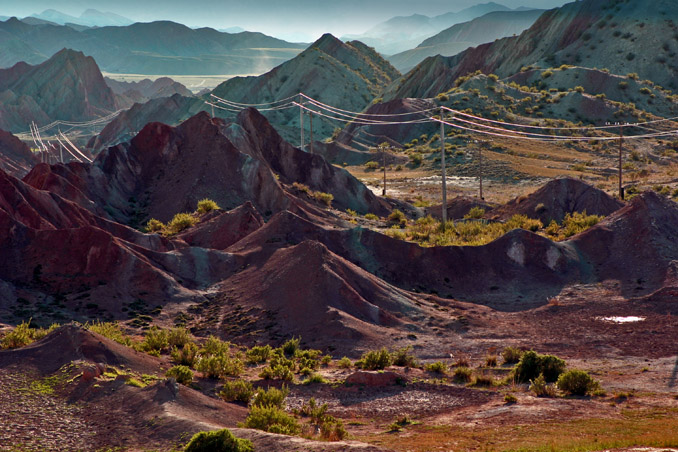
(325, 198)
(301, 187)
(483, 379)
(185, 355)
(475, 213)
(510, 398)
(20, 336)
(271, 397)
(180, 222)
(541, 388)
(272, 419)
(219, 364)
(258, 354)
(344, 363)
(531, 365)
(397, 216)
(579, 89)
(314, 378)
(218, 441)
(371, 216)
(491, 361)
(206, 205)
(277, 372)
(511, 355)
(291, 346)
(403, 358)
(154, 225)
(416, 159)
(182, 374)
(111, 331)
(178, 337)
(375, 360)
(577, 382)
(438, 367)
(546, 74)
(371, 166)
(237, 391)
(462, 374)
(156, 340)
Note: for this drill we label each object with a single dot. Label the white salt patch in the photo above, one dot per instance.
(626, 319)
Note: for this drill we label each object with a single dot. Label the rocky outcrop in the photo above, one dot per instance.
(556, 199)
(68, 86)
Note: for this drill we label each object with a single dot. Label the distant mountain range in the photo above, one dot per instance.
(459, 37)
(89, 18)
(402, 33)
(156, 48)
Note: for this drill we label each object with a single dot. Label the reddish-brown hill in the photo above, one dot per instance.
(15, 157)
(556, 199)
(635, 245)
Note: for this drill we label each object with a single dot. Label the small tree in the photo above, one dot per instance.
(218, 441)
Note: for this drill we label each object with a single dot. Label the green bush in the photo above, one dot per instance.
(182, 374)
(371, 216)
(258, 354)
(462, 374)
(156, 340)
(325, 198)
(180, 222)
(577, 382)
(218, 441)
(271, 397)
(110, 330)
(185, 355)
(277, 372)
(178, 337)
(291, 346)
(344, 363)
(531, 365)
(375, 360)
(237, 391)
(23, 335)
(511, 355)
(397, 216)
(206, 205)
(403, 358)
(221, 365)
(438, 367)
(272, 419)
(541, 388)
(154, 225)
(475, 213)
(371, 166)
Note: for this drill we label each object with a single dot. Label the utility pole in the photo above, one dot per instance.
(301, 123)
(621, 149)
(480, 164)
(310, 118)
(442, 165)
(383, 162)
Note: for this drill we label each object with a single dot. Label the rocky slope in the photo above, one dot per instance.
(592, 33)
(68, 86)
(336, 73)
(459, 37)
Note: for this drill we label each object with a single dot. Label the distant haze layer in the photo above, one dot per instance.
(299, 20)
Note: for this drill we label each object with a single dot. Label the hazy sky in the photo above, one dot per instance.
(285, 18)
